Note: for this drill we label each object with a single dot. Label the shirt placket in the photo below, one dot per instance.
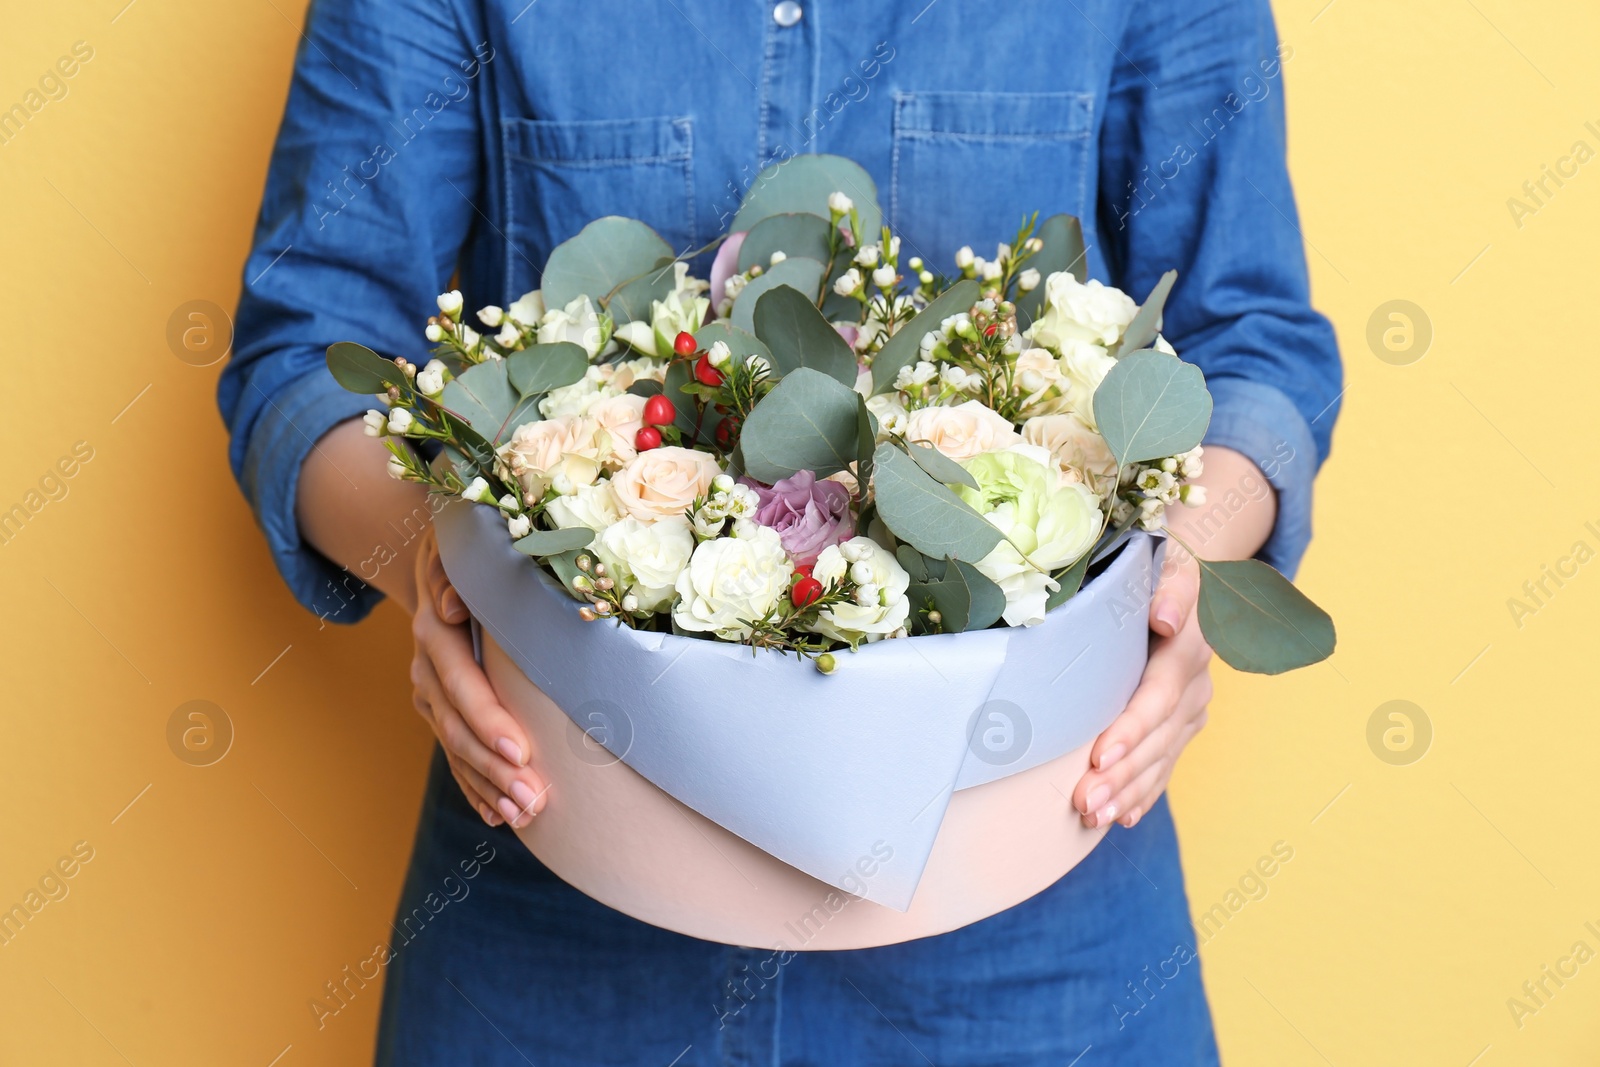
(788, 77)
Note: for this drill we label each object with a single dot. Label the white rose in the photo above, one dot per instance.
(1080, 453)
(1085, 366)
(882, 585)
(682, 311)
(578, 323)
(564, 452)
(730, 582)
(1084, 311)
(664, 481)
(596, 384)
(962, 431)
(528, 308)
(594, 506)
(647, 558)
(622, 417)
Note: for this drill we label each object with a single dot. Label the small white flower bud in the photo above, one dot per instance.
(915, 262)
(630, 603)
(867, 595)
(990, 271)
(868, 256)
(926, 277)
(430, 380)
(450, 303)
(758, 364)
(477, 490)
(434, 332)
(400, 421)
(719, 354)
(778, 257)
(397, 467)
(374, 423)
(1028, 280)
(509, 503)
(509, 336)
(562, 483)
(964, 257)
(519, 525)
(491, 316)
(840, 204)
(883, 277)
(722, 483)
(849, 283)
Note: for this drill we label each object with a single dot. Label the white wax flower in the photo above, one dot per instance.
(374, 423)
(430, 379)
(881, 606)
(840, 204)
(520, 526)
(490, 316)
(450, 303)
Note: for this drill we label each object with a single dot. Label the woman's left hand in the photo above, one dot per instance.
(1133, 759)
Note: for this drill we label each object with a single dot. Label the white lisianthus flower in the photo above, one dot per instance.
(562, 453)
(621, 416)
(647, 558)
(664, 481)
(1085, 366)
(1051, 522)
(594, 506)
(849, 283)
(490, 316)
(682, 311)
(527, 309)
(1080, 453)
(430, 379)
(1083, 311)
(880, 606)
(732, 581)
(963, 431)
(400, 421)
(450, 303)
(520, 526)
(1028, 280)
(840, 204)
(578, 323)
(374, 423)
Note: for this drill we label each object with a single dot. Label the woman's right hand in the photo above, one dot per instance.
(488, 750)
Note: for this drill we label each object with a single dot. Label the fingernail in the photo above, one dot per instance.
(508, 809)
(489, 815)
(1169, 616)
(451, 605)
(1098, 796)
(1110, 756)
(525, 797)
(1131, 819)
(1106, 815)
(508, 748)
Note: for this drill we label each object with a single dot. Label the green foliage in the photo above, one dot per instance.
(795, 333)
(606, 255)
(1152, 405)
(795, 234)
(803, 184)
(554, 542)
(901, 349)
(808, 422)
(361, 370)
(801, 273)
(940, 467)
(1142, 331)
(538, 369)
(1258, 622)
(926, 514)
(1063, 251)
(964, 598)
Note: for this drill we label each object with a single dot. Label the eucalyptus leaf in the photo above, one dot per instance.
(803, 184)
(794, 331)
(800, 273)
(633, 299)
(538, 369)
(1063, 251)
(795, 234)
(926, 514)
(1152, 405)
(605, 255)
(565, 564)
(940, 467)
(1146, 325)
(903, 346)
(554, 542)
(1257, 621)
(807, 422)
(1069, 581)
(361, 370)
(911, 562)
(964, 597)
(866, 442)
(481, 396)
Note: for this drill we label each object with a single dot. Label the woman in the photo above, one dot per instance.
(430, 138)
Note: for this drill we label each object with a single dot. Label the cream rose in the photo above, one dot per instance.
(1080, 453)
(578, 323)
(663, 481)
(962, 431)
(1082, 311)
(594, 506)
(562, 453)
(647, 558)
(621, 416)
(1085, 366)
(1039, 378)
(731, 582)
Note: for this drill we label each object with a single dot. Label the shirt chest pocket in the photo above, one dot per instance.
(562, 175)
(968, 166)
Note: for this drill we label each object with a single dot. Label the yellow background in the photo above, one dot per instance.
(1420, 897)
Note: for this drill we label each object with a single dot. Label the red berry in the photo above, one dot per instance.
(659, 411)
(647, 438)
(684, 344)
(805, 592)
(988, 331)
(704, 372)
(803, 569)
(725, 431)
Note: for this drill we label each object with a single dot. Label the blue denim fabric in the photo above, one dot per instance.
(496, 961)
(428, 137)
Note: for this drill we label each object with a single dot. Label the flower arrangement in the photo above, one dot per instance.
(826, 443)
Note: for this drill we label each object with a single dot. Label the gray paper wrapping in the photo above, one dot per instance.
(821, 771)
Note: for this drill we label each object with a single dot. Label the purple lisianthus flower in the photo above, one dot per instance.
(809, 515)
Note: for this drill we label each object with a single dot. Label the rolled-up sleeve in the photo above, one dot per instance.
(1194, 177)
(367, 204)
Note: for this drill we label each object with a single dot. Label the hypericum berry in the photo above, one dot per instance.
(684, 344)
(659, 411)
(725, 430)
(988, 331)
(803, 569)
(806, 591)
(647, 438)
(704, 372)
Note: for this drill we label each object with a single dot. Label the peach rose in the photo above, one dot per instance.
(1080, 453)
(622, 417)
(561, 453)
(664, 481)
(962, 431)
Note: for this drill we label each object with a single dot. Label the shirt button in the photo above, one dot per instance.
(787, 13)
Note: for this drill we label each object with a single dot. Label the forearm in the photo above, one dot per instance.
(1239, 512)
(353, 512)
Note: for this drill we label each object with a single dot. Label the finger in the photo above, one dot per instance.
(477, 790)
(449, 650)
(516, 793)
(1176, 593)
(1157, 757)
(446, 602)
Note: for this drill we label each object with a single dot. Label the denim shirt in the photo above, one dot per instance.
(429, 139)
